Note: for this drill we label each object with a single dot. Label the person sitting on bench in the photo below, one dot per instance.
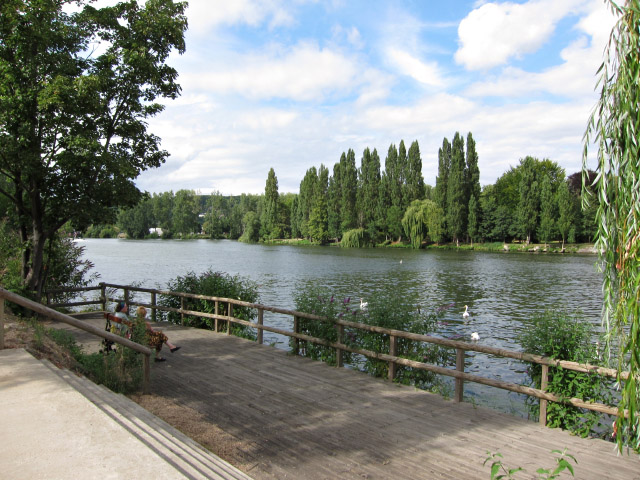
(122, 327)
(155, 337)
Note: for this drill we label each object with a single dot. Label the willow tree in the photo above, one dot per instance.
(613, 127)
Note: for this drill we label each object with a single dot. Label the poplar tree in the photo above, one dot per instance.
(349, 187)
(566, 211)
(414, 187)
(269, 220)
(368, 187)
(456, 206)
(442, 180)
(529, 202)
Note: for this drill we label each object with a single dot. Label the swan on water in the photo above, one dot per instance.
(363, 304)
(466, 312)
(475, 337)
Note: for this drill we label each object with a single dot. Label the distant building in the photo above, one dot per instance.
(157, 230)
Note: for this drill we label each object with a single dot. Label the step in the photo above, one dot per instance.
(180, 451)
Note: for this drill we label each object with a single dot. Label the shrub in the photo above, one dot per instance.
(389, 311)
(355, 238)
(318, 301)
(562, 336)
(213, 284)
(384, 310)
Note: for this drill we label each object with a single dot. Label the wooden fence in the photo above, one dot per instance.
(61, 317)
(460, 376)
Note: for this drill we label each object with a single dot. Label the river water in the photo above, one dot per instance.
(503, 290)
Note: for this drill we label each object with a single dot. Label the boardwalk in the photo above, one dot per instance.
(304, 419)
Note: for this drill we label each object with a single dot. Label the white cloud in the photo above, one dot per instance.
(494, 33)
(305, 72)
(204, 15)
(575, 77)
(407, 64)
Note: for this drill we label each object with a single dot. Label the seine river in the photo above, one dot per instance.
(503, 290)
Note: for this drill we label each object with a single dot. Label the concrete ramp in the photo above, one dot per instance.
(57, 425)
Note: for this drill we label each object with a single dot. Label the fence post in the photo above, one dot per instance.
(126, 296)
(393, 348)
(217, 312)
(1, 323)
(153, 306)
(459, 382)
(182, 311)
(260, 322)
(339, 351)
(103, 296)
(230, 315)
(544, 381)
(296, 341)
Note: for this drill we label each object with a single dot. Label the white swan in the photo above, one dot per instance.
(475, 337)
(363, 304)
(466, 312)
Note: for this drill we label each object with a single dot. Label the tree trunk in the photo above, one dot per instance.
(34, 280)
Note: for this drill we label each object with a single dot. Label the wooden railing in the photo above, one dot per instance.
(61, 317)
(340, 347)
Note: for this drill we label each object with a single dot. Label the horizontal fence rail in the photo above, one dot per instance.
(460, 347)
(61, 317)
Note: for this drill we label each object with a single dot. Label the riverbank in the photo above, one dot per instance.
(516, 247)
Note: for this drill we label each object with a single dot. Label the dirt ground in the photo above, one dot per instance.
(18, 334)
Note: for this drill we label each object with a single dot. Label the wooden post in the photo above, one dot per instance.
(230, 315)
(217, 312)
(260, 322)
(147, 375)
(296, 341)
(153, 306)
(459, 382)
(544, 382)
(1, 323)
(339, 355)
(103, 296)
(393, 348)
(126, 296)
(48, 294)
(182, 311)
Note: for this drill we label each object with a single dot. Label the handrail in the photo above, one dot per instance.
(393, 360)
(48, 312)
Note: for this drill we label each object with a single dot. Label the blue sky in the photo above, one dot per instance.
(293, 84)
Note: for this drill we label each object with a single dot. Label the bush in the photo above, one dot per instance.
(355, 238)
(384, 310)
(562, 336)
(213, 284)
(318, 301)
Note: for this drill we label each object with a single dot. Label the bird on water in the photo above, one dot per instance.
(475, 337)
(466, 312)
(363, 304)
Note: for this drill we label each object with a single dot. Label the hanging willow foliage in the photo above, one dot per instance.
(614, 127)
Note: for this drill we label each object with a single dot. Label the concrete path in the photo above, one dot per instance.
(50, 430)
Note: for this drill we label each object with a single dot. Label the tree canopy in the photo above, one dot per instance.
(73, 131)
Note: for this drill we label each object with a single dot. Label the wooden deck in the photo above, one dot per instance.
(307, 420)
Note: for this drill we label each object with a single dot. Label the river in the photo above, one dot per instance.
(503, 290)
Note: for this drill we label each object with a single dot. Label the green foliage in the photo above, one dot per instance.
(613, 127)
(73, 126)
(423, 220)
(212, 284)
(500, 471)
(387, 310)
(355, 238)
(318, 301)
(561, 336)
(384, 310)
(120, 371)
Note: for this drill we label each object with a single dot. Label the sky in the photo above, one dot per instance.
(292, 84)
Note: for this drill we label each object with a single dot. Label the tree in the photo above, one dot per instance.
(73, 126)
(566, 211)
(547, 212)
(472, 180)
(348, 188)
(269, 221)
(613, 128)
(529, 204)
(473, 226)
(185, 212)
(442, 180)
(422, 221)
(368, 190)
(414, 186)
(456, 201)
